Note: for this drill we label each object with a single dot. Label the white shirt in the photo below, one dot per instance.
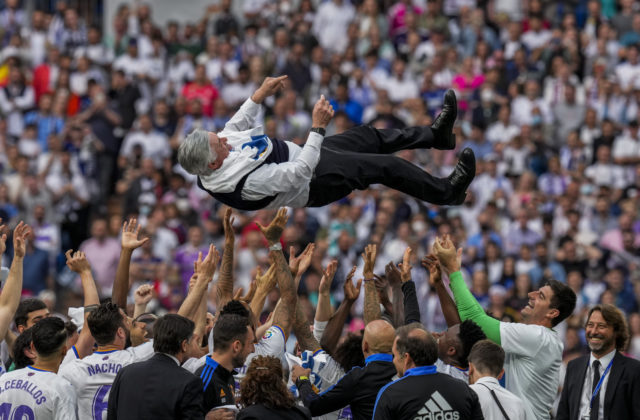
(155, 145)
(608, 174)
(37, 394)
(512, 405)
(330, 25)
(455, 372)
(585, 400)
(93, 376)
(532, 365)
(288, 180)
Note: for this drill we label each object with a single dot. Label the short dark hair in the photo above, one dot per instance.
(104, 322)
(349, 352)
(23, 342)
(487, 357)
(423, 350)
(25, 308)
(235, 307)
(170, 331)
(49, 334)
(614, 318)
(470, 333)
(229, 328)
(563, 299)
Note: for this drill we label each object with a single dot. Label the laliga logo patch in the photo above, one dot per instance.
(30, 374)
(267, 335)
(105, 358)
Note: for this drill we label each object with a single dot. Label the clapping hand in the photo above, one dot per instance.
(352, 292)
(20, 234)
(327, 277)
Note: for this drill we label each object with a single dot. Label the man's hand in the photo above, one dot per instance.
(369, 257)
(450, 259)
(266, 282)
(430, 262)
(351, 292)
(405, 267)
(393, 275)
(327, 277)
(299, 371)
(77, 262)
(322, 113)
(270, 86)
(229, 234)
(300, 264)
(3, 238)
(20, 234)
(253, 286)
(273, 232)
(207, 267)
(220, 414)
(130, 233)
(143, 294)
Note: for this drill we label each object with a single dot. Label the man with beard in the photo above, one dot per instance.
(93, 376)
(604, 384)
(233, 341)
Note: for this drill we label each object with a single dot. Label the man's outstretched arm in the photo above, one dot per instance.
(224, 287)
(10, 296)
(245, 118)
(449, 310)
(468, 306)
(333, 331)
(130, 242)
(285, 311)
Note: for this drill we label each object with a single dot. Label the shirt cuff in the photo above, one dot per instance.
(457, 276)
(314, 140)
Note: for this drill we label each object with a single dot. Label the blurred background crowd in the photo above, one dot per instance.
(549, 100)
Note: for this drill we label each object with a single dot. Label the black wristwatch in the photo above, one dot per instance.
(319, 130)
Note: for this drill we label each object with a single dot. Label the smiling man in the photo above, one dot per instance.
(242, 167)
(532, 348)
(619, 377)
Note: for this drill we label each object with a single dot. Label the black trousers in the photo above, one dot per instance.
(363, 155)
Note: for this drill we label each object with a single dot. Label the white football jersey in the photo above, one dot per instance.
(456, 372)
(34, 394)
(93, 376)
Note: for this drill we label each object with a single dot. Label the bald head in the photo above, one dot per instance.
(378, 337)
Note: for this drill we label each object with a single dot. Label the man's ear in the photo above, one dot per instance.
(21, 328)
(451, 350)
(553, 313)
(236, 346)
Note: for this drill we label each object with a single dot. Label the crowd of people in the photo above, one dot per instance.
(92, 120)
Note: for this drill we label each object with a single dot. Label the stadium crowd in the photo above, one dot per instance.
(549, 101)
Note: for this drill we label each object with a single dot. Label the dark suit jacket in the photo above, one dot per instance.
(155, 389)
(622, 397)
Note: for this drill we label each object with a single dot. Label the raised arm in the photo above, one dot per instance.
(335, 326)
(285, 311)
(141, 298)
(324, 309)
(224, 287)
(10, 296)
(245, 118)
(205, 270)
(468, 307)
(371, 298)
(449, 310)
(265, 283)
(78, 263)
(129, 243)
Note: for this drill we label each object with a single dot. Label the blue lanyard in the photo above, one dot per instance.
(595, 391)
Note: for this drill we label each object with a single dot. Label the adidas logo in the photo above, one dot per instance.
(437, 408)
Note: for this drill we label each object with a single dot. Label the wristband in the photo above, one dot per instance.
(319, 130)
(275, 247)
(372, 279)
(90, 308)
(303, 378)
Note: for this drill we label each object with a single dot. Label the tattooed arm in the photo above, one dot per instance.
(224, 287)
(371, 298)
(285, 311)
(333, 331)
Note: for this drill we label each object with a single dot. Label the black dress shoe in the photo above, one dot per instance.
(442, 127)
(461, 177)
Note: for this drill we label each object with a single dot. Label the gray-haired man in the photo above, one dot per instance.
(245, 169)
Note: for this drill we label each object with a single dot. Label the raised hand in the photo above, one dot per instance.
(3, 238)
(20, 234)
(430, 262)
(393, 275)
(405, 267)
(369, 257)
(327, 277)
(77, 262)
(266, 282)
(130, 232)
(352, 292)
(229, 234)
(322, 113)
(270, 86)
(253, 287)
(143, 294)
(300, 264)
(273, 232)
(450, 259)
(208, 266)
